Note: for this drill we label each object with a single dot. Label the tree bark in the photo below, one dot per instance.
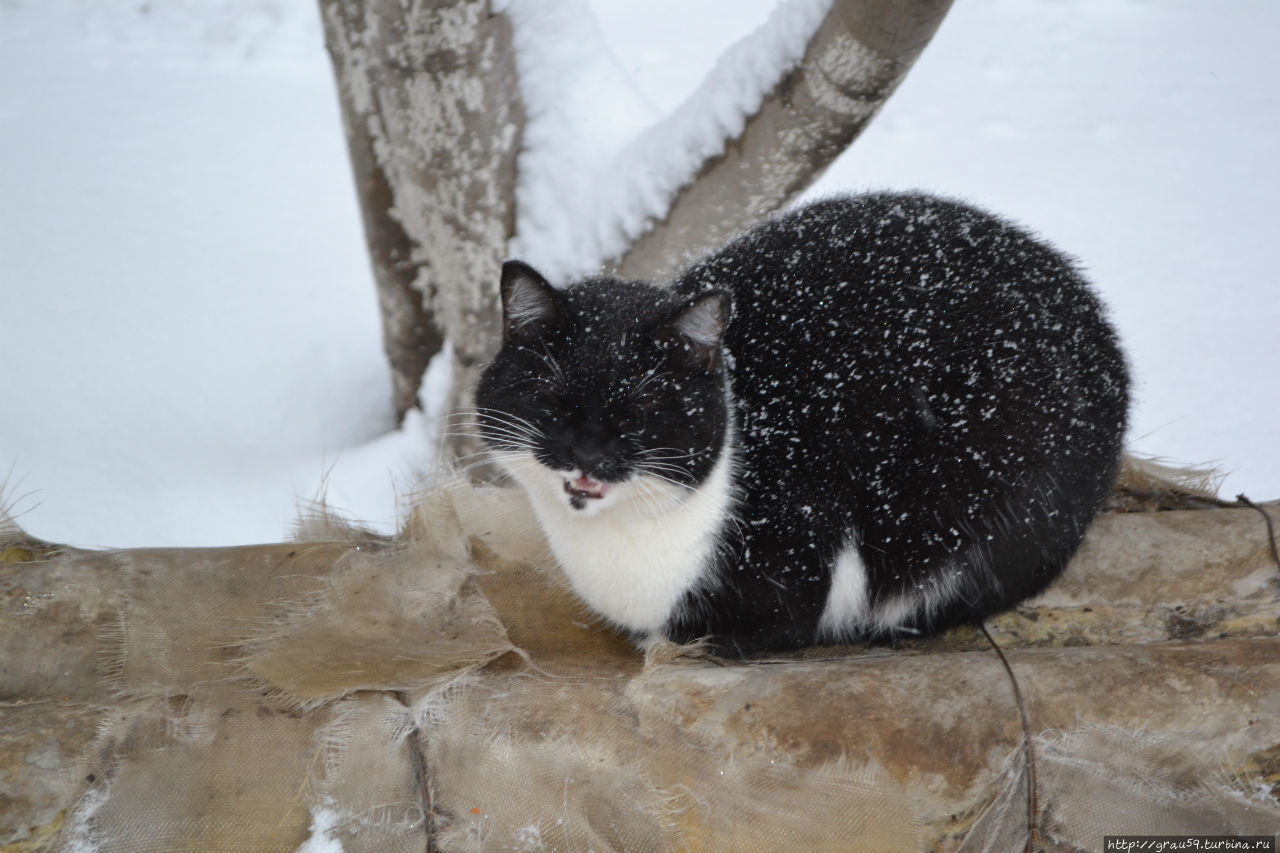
(432, 114)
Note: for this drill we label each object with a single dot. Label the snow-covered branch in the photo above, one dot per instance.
(640, 193)
(811, 111)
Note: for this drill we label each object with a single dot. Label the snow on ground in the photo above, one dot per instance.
(190, 344)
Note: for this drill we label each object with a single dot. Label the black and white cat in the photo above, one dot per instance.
(874, 416)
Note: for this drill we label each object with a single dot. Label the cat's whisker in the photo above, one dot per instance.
(654, 459)
(671, 473)
(512, 428)
(509, 462)
(517, 436)
(488, 413)
(667, 454)
(652, 487)
(665, 472)
(500, 442)
(479, 457)
(648, 500)
(679, 474)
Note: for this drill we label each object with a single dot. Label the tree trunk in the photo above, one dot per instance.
(432, 114)
(433, 121)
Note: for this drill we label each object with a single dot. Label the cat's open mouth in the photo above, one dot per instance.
(585, 488)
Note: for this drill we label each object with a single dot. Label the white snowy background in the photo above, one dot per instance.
(189, 344)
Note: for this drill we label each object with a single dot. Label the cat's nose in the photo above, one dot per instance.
(588, 457)
(590, 449)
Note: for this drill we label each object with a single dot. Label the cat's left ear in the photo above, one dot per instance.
(701, 324)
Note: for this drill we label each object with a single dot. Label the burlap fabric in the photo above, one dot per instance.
(441, 690)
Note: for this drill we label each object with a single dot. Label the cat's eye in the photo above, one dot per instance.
(633, 422)
(547, 397)
(645, 398)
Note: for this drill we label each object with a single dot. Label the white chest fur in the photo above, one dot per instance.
(634, 556)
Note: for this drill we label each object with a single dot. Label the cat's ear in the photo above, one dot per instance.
(701, 324)
(528, 301)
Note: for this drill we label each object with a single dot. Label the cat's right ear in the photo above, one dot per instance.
(528, 301)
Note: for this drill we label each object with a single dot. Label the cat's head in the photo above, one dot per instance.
(605, 393)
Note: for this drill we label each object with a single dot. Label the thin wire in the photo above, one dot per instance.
(1271, 531)
(422, 777)
(1028, 749)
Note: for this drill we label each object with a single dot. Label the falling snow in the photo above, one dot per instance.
(911, 378)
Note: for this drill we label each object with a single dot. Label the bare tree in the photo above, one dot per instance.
(433, 117)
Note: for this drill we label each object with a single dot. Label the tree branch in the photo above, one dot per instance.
(855, 60)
